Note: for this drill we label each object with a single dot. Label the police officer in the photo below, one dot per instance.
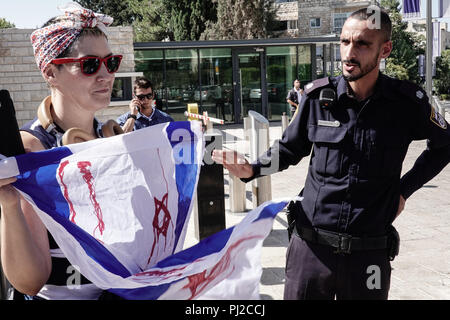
(358, 126)
(294, 97)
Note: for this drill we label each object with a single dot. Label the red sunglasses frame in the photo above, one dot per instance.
(81, 61)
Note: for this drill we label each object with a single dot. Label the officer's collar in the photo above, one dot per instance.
(381, 88)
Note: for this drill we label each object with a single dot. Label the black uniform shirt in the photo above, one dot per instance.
(353, 183)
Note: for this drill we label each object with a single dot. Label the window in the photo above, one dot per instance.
(314, 22)
(122, 89)
(339, 20)
(216, 93)
(292, 24)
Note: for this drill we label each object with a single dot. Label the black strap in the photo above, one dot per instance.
(344, 243)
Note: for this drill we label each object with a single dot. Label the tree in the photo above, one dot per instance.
(156, 20)
(123, 11)
(407, 46)
(188, 18)
(6, 24)
(442, 79)
(241, 19)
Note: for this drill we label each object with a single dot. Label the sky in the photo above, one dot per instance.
(29, 14)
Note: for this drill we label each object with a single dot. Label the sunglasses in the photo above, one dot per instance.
(91, 65)
(141, 97)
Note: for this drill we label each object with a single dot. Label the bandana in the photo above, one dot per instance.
(49, 42)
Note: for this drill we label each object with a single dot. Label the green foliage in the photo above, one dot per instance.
(6, 24)
(442, 79)
(188, 17)
(156, 20)
(396, 70)
(241, 19)
(154, 25)
(123, 11)
(402, 63)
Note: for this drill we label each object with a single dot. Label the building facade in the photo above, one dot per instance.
(317, 17)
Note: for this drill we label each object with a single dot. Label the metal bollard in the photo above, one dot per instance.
(237, 187)
(237, 194)
(247, 128)
(209, 204)
(284, 122)
(259, 143)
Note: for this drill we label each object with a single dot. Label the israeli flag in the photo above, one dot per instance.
(119, 208)
(411, 9)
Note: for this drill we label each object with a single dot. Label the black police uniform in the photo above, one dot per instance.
(351, 194)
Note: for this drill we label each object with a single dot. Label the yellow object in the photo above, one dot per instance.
(192, 108)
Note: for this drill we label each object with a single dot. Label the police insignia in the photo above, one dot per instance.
(419, 94)
(438, 119)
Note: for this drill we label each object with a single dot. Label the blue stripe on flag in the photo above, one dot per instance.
(185, 174)
(411, 8)
(25, 162)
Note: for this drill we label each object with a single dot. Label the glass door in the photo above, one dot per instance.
(247, 83)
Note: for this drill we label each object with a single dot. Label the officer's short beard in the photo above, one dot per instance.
(363, 70)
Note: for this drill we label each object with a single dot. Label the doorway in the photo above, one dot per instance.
(249, 65)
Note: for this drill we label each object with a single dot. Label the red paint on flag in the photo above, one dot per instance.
(89, 179)
(198, 282)
(160, 223)
(66, 191)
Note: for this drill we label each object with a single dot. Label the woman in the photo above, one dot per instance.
(76, 61)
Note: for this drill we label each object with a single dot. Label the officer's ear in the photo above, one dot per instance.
(386, 49)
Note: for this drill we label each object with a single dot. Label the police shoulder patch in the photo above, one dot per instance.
(413, 92)
(319, 83)
(438, 119)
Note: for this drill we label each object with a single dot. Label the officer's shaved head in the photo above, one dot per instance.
(377, 18)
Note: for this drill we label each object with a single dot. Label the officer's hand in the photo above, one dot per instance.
(9, 196)
(401, 205)
(234, 162)
(134, 105)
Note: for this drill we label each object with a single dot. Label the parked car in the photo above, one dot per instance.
(208, 93)
(275, 92)
(188, 94)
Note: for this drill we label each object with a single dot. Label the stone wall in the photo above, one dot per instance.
(324, 10)
(287, 11)
(20, 75)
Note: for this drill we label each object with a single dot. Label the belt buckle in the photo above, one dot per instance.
(344, 244)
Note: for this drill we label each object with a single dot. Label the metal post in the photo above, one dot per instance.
(237, 187)
(237, 194)
(284, 122)
(429, 54)
(247, 128)
(209, 202)
(259, 143)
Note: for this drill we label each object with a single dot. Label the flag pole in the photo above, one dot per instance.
(429, 54)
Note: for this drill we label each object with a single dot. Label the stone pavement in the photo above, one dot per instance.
(420, 271)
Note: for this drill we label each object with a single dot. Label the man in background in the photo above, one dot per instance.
(143, 112)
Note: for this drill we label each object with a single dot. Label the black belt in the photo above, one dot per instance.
(344, 243)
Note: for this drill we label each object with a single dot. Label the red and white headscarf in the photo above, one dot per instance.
(49, 42)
